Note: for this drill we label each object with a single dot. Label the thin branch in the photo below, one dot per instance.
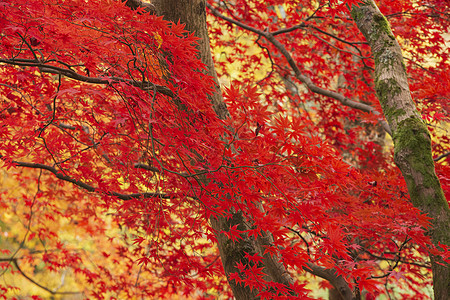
(146, 167)
(418, 65)
(396, 261)
(341, 50)
(298, 233)
(304, 79)
(441, 156)
(298, 26)
(337, 38)
(400, 260)
(353, 44)
(86, 186)
(270, 58)
(14, 262)
(96, 80)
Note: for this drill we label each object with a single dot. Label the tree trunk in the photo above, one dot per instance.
(193, 14)
(411, 138)
(412, 143)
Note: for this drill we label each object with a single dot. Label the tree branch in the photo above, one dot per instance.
(14, 262)
(86, 186)
(441, 156)
(336, 280)
(304, 79)
(96, 80)
(412, 140)
(134, 4)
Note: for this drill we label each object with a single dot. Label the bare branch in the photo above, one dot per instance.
(46, 68)
(86, 186)
(441, 156)
(146, 167)
(290, 29)
(53, 292)
(331, 275)
(337, 38)
(304, 79)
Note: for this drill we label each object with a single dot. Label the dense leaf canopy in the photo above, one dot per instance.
(113, 160)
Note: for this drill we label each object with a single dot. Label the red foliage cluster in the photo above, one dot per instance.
(110, 109)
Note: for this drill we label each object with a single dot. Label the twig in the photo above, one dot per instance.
(14, 262)
(441, 156)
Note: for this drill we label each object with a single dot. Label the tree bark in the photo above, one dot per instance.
(410, 134)
(340, 290)
(412, 142)
(193, 14)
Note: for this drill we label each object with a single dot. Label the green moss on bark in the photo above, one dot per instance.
(386, 89)
(411, 137)
(380, 25)
(412, 147)
(411, 153)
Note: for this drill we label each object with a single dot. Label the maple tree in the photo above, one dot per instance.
(128, 168)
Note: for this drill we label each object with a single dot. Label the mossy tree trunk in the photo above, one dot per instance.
(412, 142)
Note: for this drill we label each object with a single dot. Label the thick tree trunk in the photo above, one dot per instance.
(411, 138)
(193, 14)
(412, 150)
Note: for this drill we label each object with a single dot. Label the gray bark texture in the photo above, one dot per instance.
(412, 142)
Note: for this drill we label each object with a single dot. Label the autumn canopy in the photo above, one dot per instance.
(295, 165)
